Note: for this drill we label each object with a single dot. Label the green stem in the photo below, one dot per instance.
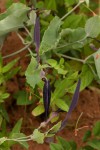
(72, 58)
(80, 2)
(90, 9)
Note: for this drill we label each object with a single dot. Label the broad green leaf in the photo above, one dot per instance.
(51, 36)
(9, 66)
(15, 17)
(75, 38)
(22, 98)
(97, 61)
(96, 129)
(92, 27)
(38, 136)
(55, 128)
(62, 104)
(63, 86)
(63, 143)
(74, 21)
(52, 62)
(94, 144)
(38, 110)
(86, 77)
(54, 146)
(33, 73)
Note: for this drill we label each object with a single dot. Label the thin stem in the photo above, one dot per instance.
(88, 57)
(90, 10)
(17, 52)
(80, 2)
(27, 31)
(19, 140)
(44, 124)
(78, 120)
(72, 58)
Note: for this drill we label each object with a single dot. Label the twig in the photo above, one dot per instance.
(80, 2)
(17, 52)
(72, 58)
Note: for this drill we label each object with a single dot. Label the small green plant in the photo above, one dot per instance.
(6, 73)
(64, 60)
(91, 141)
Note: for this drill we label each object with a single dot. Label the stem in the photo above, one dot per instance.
(90, 10)
(80, 2)
(72, 58)
(17, 52)
(25, 140)
(44, 124)
(88, 57)
(78, 120)
(27, 31)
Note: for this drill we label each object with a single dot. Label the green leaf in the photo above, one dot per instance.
(55, 128)
(33, 73)
(38, 136)
(51, 4)
(92, 27)
(94, 144)
(74, 21)
(64, 143)
(75, 38)
(86, 77)
(4, 113)
(20, 135)
(16, 128)
(9, 66)
(63, 86)
(62, 104)
(22, 98)
(96, 129)
(2, 140)
(87, 2)
(51, 36)
(38, 110)
(86, 136)
(54, 146)
(15, 17)
(70, 2)
(53, 63)
(97, 61)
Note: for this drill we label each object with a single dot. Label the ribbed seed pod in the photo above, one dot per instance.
(46, 96)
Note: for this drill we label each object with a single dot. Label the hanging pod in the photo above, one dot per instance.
(46, 96)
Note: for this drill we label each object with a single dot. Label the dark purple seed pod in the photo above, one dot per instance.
(37, 34)
(46, 96)
(73, 104)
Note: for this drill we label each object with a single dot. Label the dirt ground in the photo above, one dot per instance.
(89, 101)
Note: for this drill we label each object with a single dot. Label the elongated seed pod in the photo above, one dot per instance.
(46, 96)
(37, 34)
(73, 104)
